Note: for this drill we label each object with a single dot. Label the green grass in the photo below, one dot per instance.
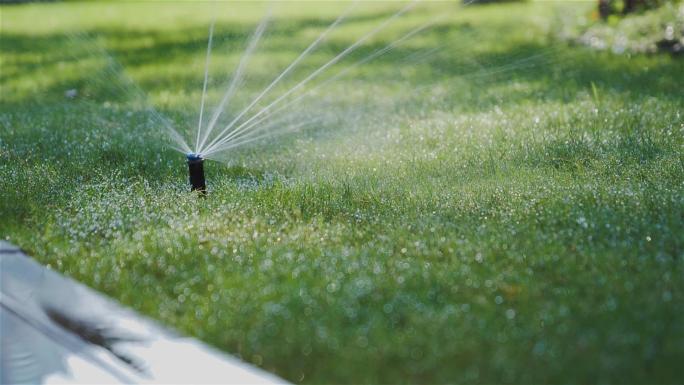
(507, 210)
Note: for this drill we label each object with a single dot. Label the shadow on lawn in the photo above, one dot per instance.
(126, 49)
(568, 69)
(551, 73)
(561, 71)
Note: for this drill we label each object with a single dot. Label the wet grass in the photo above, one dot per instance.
(508, 209)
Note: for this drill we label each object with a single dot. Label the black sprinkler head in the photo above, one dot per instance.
(196, 169)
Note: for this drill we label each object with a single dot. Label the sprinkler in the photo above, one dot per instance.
(196, 169)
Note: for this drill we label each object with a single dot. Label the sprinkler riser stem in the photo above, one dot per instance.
(196, 170)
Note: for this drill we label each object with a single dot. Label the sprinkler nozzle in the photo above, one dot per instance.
(196, 169)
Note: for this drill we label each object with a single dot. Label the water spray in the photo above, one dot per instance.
(196, 170)
(244, 128)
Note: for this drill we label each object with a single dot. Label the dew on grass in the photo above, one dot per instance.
(510, 314)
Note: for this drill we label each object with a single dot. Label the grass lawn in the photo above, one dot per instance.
(507, 208)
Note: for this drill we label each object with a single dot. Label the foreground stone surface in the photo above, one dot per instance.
(55, 330)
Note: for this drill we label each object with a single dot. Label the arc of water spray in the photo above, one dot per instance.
(206, 78)
(334, 60)
(237, 77)
(340, 74)
(261, 127)
(116, 70)
(292, 65)
(293, 127)
(248, 134)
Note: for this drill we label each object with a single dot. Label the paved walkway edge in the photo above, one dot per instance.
(54, 329)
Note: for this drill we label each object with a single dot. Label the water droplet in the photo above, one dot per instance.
(510, 314)
(479, 258)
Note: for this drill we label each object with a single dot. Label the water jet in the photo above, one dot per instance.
(246, 126)
(196, 171)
